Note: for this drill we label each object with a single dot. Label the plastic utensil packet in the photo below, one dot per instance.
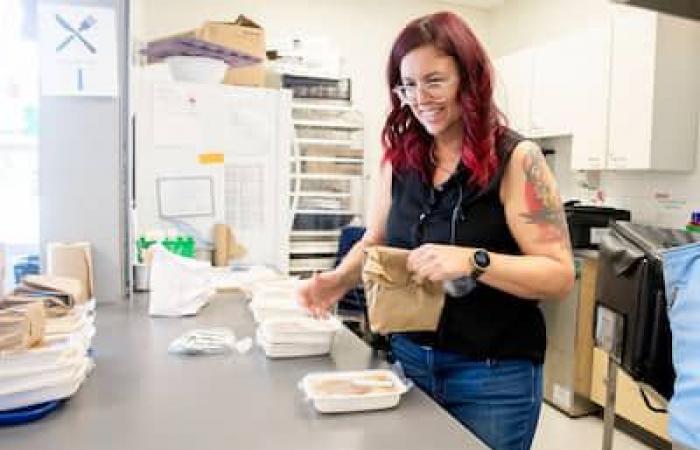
(204, 341)
(397, 368)
(244, 345)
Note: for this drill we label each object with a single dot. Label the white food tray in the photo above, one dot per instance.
(373, 389)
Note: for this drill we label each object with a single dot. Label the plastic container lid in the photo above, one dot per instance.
(363, 390)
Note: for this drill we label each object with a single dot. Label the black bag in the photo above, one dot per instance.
(630, 282)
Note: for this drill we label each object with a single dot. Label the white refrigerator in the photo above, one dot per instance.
(209, 154)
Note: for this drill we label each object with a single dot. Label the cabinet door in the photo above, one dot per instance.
(591, 94)
(553, 87)
(631, 88)
(514, 88)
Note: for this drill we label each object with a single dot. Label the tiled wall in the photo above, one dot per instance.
(655, 198)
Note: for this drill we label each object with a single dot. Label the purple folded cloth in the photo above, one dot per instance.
(189, 46)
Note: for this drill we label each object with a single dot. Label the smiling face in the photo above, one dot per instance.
(431, 80)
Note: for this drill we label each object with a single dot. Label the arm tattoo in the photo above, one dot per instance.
(542, 202)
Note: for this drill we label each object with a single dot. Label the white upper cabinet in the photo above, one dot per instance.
(514, 88)
(590, 105)
(628, 91)
(554, 79)
(654, 91)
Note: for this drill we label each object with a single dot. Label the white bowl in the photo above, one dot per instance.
(197, 68)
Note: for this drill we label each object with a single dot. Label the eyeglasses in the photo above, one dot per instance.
(435, 89)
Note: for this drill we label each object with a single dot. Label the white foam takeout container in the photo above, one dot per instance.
(268, 307)
(292, 350)
(385, 389)
(275, 288)
(299, 330)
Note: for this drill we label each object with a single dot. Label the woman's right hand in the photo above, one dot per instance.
(318, 293)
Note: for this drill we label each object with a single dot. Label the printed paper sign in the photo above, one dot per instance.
(78, 50)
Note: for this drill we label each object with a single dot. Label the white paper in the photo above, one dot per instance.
(177, 115)
(185, 196)
(245, 197)
(78, 50)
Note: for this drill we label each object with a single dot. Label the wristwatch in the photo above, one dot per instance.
(480, 262)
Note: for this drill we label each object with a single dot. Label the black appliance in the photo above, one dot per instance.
(584, 221)
(690, 9)
(630, 283)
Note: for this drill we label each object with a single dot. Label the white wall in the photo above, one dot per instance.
(522, 23)
(363, 30)
(664, 199)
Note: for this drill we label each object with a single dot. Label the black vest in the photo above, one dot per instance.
(487, 322)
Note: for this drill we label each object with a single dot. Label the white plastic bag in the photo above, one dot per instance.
(179, 286)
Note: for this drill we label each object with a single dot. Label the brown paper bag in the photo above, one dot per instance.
(22, 327)
(226, 246)
(395, 302)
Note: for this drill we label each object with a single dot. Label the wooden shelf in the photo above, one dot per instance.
(325, 194)
(329, 159)
(322, 107)
(329, 142)
(315, 233)
(313, 247)
(327, 124)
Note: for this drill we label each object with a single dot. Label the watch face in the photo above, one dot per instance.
(481, 259)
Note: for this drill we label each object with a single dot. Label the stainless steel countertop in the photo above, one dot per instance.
(141, 397)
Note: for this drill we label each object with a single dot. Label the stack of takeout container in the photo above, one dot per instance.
(54, 362)
(285, 329)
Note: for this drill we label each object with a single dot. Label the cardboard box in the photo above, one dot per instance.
(244, 35)
(72, 260)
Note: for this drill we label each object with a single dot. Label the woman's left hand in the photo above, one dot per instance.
(438, 262)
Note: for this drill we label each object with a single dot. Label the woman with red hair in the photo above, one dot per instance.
(479, 209)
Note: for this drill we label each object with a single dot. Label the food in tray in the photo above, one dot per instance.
(357, 385)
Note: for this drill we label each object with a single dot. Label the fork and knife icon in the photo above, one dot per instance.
(87, 23)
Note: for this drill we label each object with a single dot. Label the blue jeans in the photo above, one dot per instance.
(497, 400)
(682, 279)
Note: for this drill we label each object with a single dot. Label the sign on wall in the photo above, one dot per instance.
(78, 50)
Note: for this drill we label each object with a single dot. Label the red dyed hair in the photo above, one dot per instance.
(406, 143)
